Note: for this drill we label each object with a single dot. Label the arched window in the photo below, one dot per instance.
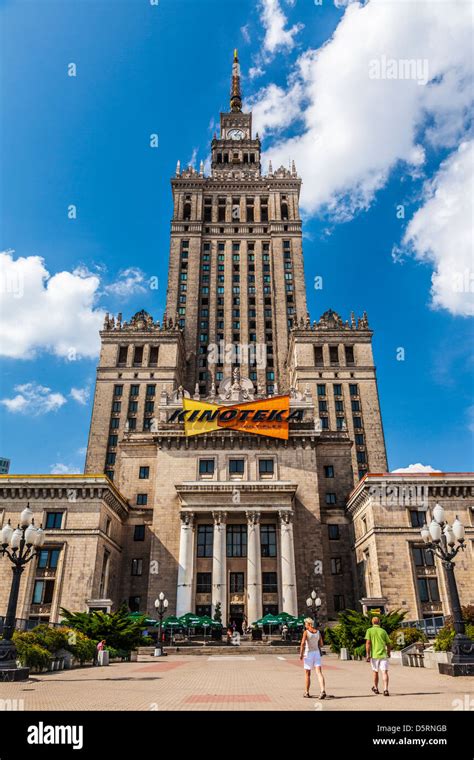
(187, 211)
(284, 211)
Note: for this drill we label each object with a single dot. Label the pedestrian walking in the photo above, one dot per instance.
(377, 648)
(310, 653)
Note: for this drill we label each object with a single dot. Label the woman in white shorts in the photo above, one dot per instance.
(310, 653)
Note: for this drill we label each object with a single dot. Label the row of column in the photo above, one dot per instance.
(184, 601)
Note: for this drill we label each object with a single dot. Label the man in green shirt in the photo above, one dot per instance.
(377, 647)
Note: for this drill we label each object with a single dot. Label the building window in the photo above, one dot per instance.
(422, 557)
(122, 356)
(331, 498)
(269, 583)
(334, 532)
(355, 406)
(118, 390)
(340, 422)
(236, 540)
(116, 406)
(321, 390)
(134, 390)
(150, 390)
(205, 538)
(361, 458)
(323, 406)
(353, 389)
(318, 356)
(114, 423)
(236, 466)
(266, 467)
(336, 566)
(133, 407)
(132, 423)
(357, 423)
(428, 589)
(417, 519)
(206, 466)
(236, 583)
(142, 499)
(137, 566)
(349, 350)
(144, 473)
(138, 356)
(54, 520)
(48, 558)
(109, 459)
(334, 354)
(104, 575)
(268, 540)
(359, 439)
(324, 423)
(149, 407)
(329, 471)
(134, 603)
(139, 533)
(43, 592)
(112, 440)
(339, 603)
(339, 406)
(203, 583)
(337, 389)
(363, 524)
(153, 360)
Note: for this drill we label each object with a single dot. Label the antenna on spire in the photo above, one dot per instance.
(235, 94)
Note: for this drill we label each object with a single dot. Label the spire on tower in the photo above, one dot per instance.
(235, 94)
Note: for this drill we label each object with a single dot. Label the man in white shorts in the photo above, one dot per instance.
(377, 648)
(310, 653)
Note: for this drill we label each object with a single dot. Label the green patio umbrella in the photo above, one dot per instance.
(189, 620)
(285, 617)
(171, 622)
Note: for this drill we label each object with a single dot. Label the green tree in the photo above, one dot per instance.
(218, 613)
(119, 630)
(352, 626)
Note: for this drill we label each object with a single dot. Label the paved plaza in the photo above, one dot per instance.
(233, 682)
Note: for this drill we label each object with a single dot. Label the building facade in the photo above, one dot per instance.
(227, 519)
(392, 566)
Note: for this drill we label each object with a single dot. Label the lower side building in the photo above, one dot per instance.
(254, 537)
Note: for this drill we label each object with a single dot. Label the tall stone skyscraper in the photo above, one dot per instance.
(234, 518)
(236, 264)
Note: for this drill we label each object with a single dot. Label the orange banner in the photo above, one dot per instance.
(263, 417)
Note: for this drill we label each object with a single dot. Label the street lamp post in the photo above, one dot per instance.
(445, 541)
(314, 602)
(20, 545)
(161, 605)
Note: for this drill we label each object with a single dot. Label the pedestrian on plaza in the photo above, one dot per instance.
(377, 648)
(284, 632)
(99, 648)
(310, 653)
(229, 634)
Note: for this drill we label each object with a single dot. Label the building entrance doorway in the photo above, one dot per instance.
(236, 616)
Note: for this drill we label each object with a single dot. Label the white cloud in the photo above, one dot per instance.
(255, 71)
(129, 282)
(39, 311)
(470, 418)
(81, 395)
(274, 108)
(82, 451)
(34, 399)
(441, 232)
(274, 22)
(417, 468)
(356, 129)
(245, 32)
(192, 160)
(64, 469)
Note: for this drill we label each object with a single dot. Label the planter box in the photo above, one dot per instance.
(433, 659)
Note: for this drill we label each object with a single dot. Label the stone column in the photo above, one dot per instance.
(219, 565)
(288, 570)
(184, 596)
(254, 568)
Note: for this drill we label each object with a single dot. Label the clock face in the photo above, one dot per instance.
(235, 134)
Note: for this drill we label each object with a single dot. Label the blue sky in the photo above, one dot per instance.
(365, 149)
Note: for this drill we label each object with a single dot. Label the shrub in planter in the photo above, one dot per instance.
(51, 639)
(80, 646)
(444, 639)
(350, 631)
(403, 637)
(30, 654)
